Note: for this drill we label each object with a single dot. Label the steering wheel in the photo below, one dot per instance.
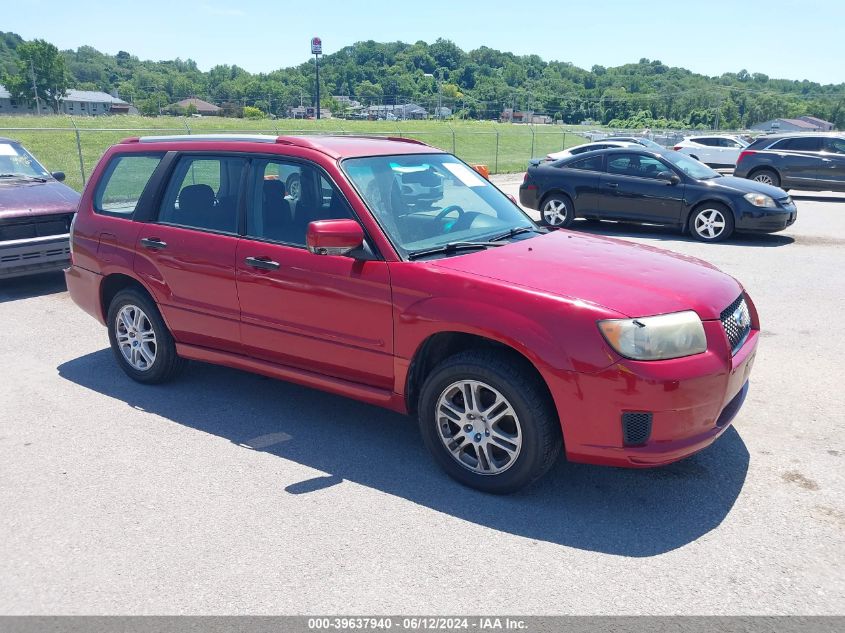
(448, 210)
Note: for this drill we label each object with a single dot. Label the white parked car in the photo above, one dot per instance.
(589, 147)
(716, 150)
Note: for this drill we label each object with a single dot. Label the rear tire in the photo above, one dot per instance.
(140, 341)
(557, 211)
(504, 435)
(711, 222)
(766, 177)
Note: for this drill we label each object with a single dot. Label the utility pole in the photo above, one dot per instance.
(34, 88)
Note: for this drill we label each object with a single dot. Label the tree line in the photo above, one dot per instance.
(476, 84)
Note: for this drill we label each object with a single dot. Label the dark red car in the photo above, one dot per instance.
(507, 340)
(36, 210)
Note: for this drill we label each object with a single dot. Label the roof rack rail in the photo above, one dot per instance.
(209, 138)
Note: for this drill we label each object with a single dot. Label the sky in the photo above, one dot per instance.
(783, 39)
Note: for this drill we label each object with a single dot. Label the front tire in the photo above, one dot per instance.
(711, 222)
(141, 342)
(488, 422)
(557, 211)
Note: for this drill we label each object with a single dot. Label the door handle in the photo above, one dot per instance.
(264, 263)
(153, 243)
(613, 185)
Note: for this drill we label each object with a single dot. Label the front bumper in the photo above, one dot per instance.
(692, 401)
(751, 218)
(34, 255)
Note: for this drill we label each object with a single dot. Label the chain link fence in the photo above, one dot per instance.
(504, 148)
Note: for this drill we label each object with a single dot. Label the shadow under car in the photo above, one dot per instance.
(611, 510)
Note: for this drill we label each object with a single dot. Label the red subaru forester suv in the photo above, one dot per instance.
(326, 261)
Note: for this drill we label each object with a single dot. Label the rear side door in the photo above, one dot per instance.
(706, 152)
(323, 313)
(186, 253)
(834, 152)
(631, 189)
(800, 161)
(729, 150)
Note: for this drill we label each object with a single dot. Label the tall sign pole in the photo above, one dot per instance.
(316, 51)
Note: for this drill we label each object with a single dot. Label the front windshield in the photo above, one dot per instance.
(690, 166)
(16, 161)
(425, 201)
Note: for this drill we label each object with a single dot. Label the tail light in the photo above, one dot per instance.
(525, 178)
(743, 154)
(70, 236)
(676, 148)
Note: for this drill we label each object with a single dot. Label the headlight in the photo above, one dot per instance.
(656, 337)
(760, 200)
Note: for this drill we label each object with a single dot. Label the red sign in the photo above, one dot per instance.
(316, 46)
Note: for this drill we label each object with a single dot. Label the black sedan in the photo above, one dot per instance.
(654, 187)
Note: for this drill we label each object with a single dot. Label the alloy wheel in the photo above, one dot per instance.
(555, 212)
(479, 427)
(710, 223)
(135, 337)
(764, 178)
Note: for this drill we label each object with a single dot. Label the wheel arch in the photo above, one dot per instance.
(709, 200)
(765, 167)
(441, 345)
(557, 190)
(115, 282)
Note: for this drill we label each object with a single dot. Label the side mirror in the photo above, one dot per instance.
(334, 237)
(58, 175)
(670, 177)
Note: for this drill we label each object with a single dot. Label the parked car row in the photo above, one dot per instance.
(389, 271)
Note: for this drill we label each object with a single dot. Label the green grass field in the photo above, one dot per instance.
(502, 147)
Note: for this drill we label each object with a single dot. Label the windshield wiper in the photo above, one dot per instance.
(514, 232)
(24, 176)
(451, 247)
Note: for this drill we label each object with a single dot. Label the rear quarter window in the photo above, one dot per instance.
(123, 182)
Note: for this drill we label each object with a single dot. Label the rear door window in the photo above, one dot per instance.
(204, 193)
(123, 182)
(800, 144)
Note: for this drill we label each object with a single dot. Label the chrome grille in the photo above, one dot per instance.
(736, 321)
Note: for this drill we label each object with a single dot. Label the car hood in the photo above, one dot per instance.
(24, 199)
(632, 279)
(743, 185)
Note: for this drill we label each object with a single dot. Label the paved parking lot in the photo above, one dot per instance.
(225, 492)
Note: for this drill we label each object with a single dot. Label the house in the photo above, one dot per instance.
(75, 102)
(93, 103)
(202, 107)
(804, 124)
(442, 112)
(824, 126)
(509, 115)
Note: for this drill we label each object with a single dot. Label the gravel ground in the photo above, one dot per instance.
(229, 493)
